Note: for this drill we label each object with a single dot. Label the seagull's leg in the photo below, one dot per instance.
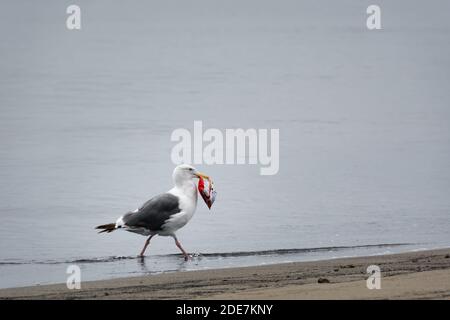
(147, 242)
(186, 256)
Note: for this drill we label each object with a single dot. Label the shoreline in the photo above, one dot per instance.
(411, 275)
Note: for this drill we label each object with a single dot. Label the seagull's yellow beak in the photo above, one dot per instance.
(201, 175)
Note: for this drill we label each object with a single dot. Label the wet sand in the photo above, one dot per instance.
(414, 275)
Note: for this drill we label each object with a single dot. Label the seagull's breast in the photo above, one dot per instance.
(187, 198)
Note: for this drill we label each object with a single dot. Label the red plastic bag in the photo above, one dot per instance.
(206, 189)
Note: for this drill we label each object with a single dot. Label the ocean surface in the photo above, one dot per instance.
(86, 118)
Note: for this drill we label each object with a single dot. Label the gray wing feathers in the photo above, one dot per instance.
(154, 213)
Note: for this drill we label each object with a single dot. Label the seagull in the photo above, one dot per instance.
(163, 214)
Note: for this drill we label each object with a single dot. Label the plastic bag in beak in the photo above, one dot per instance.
(207, 191)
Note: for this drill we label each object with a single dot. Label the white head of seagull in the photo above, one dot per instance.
(166, 213)
(185, 173)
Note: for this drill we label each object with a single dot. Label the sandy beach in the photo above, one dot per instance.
(414, 275)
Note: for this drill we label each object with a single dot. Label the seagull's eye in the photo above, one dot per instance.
(190, 169)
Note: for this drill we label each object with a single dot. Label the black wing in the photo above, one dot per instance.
(154, 213)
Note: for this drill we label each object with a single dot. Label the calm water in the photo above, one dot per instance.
(86, 118)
